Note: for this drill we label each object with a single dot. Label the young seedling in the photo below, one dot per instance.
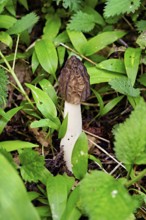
(74, 88)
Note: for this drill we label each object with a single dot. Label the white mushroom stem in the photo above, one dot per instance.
(74, 129)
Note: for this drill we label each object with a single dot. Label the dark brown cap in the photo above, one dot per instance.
(74, 83)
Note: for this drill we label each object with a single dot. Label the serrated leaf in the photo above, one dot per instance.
(52, 27)
(79, 158)
(124, 86)
(130, 138)
(132, 61)
(14, 200)
(26, 22)
(81, 22)
(101, 40)
(141, 25)
(78, 40)
(47, 55)
(32, 165)
(100, 76)
(114, 65)
(103, 197)
(141, 40)
(73, 5)
(6, 39)
(57, 195)
(115, 7)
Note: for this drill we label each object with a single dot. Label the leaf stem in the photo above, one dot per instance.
(16, 48)
(136, 179)
(11, 71)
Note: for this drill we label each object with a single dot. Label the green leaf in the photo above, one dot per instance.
(130, 138)
(8, 156)
(52, 27)
(142, 79)
(32, 165)
(26, 22)
(47, 55)
(63, 127)
(61, 38)
(98, 19)
(110, 105)
(3, 87)
(81, 22)
(80, 156)
(6, 116)
(43, 101)
(46, 123)
(14, 200)
(114, 7)
(141, 25)
(3, 3)
(71, 4)
(124, 86)
(57, 195)
(100, 100)
(102, 40)
(141, 40)
(49, 89)
(24, 3)
(16, 145)
(103, 197)
(113, 65)
(100, 76)
(34, 62)
(132, 60)
(6, 39)
(72, 212)
(78, 40)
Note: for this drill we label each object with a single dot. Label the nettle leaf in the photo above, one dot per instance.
(141, 40)
(132, 60)
(73, 5)
(103, 197)
(32, 165)
(130, 138)
(26, 22)
(141, 25)
(81, 22)
(124, 86)
(3, 87)
(115, 7)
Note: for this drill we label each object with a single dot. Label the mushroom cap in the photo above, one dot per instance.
(74, 83)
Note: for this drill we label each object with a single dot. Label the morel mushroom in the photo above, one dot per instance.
(74, 88)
